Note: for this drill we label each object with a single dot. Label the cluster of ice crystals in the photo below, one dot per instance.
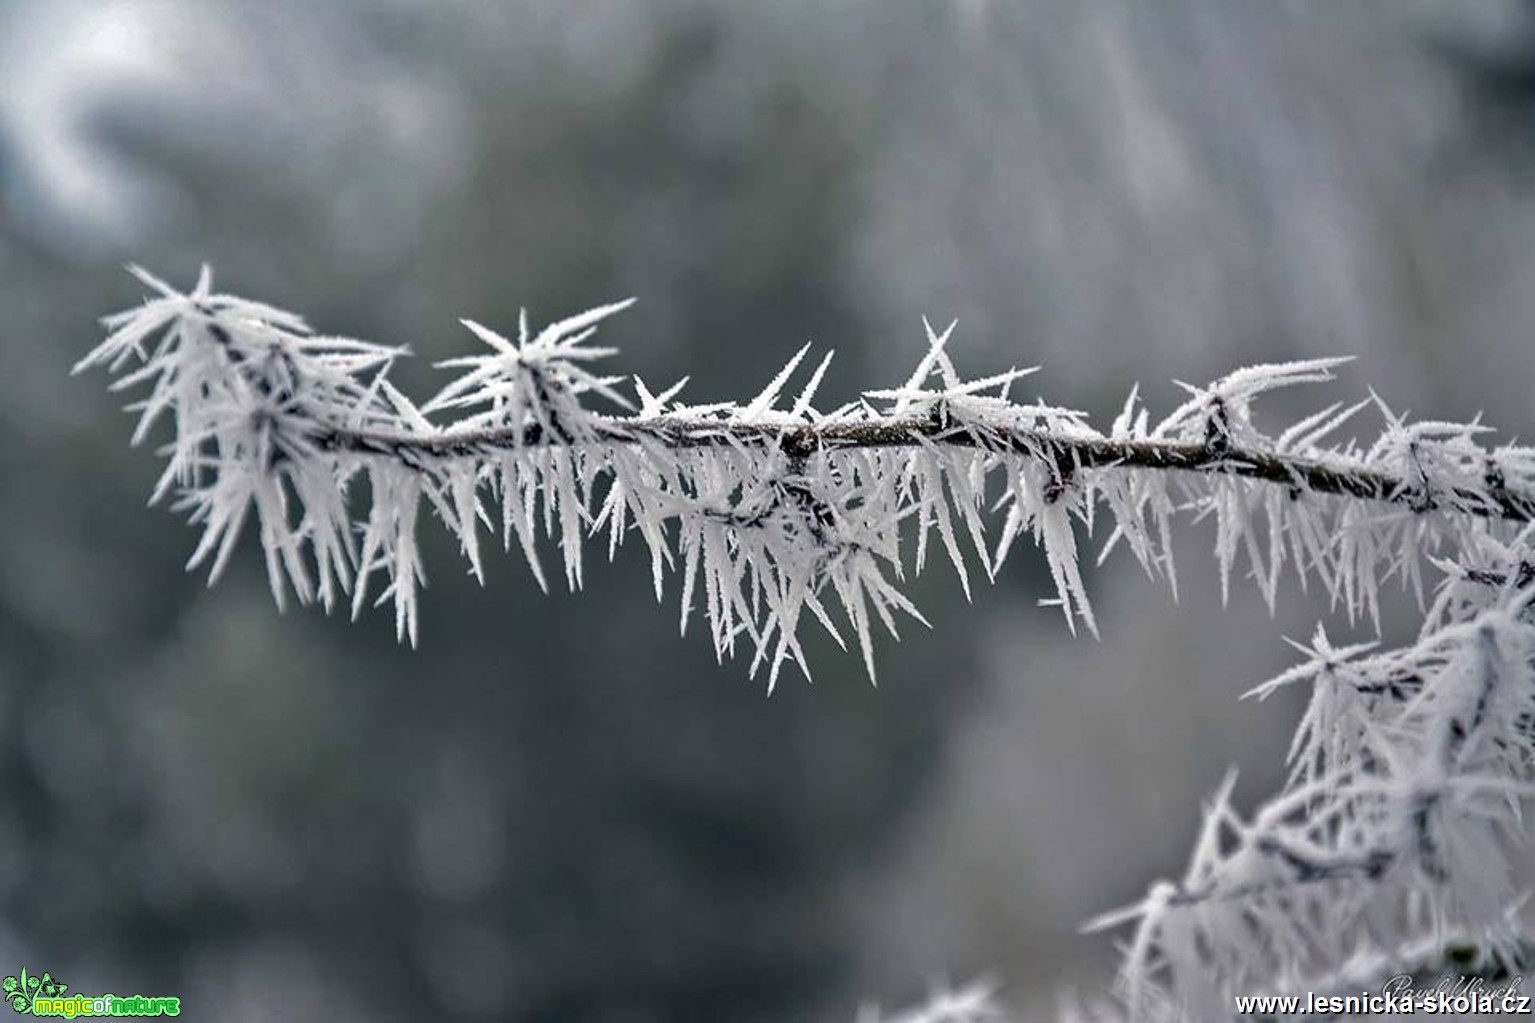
(1400, 825)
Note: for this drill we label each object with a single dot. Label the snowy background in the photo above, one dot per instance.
(556, 809)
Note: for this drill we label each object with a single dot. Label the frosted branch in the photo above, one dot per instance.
(770, 506)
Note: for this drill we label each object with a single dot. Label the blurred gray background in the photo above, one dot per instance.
(556, 809)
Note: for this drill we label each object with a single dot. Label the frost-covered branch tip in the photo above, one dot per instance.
(1399, 830)
(771, 509)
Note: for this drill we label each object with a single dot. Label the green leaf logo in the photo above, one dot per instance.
(22, 991)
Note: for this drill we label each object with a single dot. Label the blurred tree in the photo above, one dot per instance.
(1496, 78)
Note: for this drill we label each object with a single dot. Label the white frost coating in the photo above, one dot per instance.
(1400, 819)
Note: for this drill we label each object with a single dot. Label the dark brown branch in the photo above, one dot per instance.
(1068, 454)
